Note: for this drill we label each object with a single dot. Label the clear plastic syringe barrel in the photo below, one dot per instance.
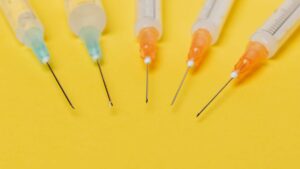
(148, 27)
(279, 27)
(213, 17)
(269, 39)
(207, 29)
(26, 25)
(87, 20)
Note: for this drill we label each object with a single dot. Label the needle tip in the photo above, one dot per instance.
(147, 101)
(111, 104)
(172, 104)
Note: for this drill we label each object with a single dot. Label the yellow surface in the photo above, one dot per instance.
(251, 126)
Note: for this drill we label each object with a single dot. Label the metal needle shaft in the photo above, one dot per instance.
(105, 85)
(147, 83)
(218, 93)
(60, 86)
(180, 86)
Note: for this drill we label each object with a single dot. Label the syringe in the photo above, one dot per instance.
(29, 31)
(206, 32)
(148, 30)
(87, 20)
(265, 43)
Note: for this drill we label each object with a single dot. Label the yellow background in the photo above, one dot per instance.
(252, 125)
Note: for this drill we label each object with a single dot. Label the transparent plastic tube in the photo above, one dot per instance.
(207, 29)
(270, 38)
(87, 20)
(26, 26)
(213, 17)
(148, 28)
